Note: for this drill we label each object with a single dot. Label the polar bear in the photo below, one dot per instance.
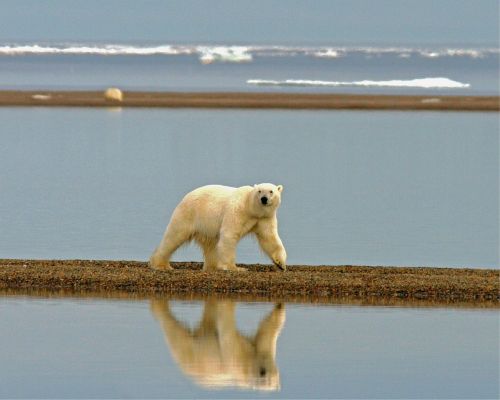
(217, 217)
(113, 94)
(216, 354)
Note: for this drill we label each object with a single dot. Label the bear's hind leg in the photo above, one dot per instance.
(173, 238)
(159, 261)
(209, 256)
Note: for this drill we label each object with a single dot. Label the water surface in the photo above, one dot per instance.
(378, 188)
(97, 348)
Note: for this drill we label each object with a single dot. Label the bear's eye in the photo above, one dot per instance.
(260, 191)
(271, 191)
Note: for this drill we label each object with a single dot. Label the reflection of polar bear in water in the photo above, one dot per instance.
(217, 217)
(215, 354)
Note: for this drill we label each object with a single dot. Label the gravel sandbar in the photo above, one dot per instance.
(311, 283)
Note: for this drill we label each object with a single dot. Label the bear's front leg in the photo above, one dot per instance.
(270, 242)
(269, 330)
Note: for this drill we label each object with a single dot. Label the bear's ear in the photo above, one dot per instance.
(280, 188)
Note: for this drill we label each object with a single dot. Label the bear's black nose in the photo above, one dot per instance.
(263, 200)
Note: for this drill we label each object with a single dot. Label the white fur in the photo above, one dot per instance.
(217, 217)
(113, 94)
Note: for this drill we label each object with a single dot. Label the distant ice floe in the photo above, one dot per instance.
(425, 83)
(472, 53)
(236, 54)
(208, 54)
(328, 53)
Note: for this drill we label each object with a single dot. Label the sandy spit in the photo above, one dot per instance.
(264, 100)
(301, 283)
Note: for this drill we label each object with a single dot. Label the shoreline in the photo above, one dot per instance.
(250, 100)
(325, 284)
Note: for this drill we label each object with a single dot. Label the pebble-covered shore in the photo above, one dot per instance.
(260, 281)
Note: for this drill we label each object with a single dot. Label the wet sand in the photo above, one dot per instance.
(303, 283)
(264, 100)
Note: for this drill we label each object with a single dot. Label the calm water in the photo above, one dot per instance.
(92, 348)
(378, 188)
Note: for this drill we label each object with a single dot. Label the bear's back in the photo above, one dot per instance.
(208, 205)
(217, 193)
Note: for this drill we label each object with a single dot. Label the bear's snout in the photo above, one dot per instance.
(263, 200)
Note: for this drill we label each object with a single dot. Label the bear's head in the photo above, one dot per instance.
(267, 196)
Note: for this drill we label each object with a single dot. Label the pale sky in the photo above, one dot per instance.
(382, 22)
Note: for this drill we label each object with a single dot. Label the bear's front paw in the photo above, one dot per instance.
(279, 259)
(280, 264)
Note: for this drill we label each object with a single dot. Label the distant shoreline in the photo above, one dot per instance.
(307, 283)
(250, 100)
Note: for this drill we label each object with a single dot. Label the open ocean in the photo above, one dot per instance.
(212, 67)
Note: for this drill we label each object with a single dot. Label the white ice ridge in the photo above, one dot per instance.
(93, 49)
(206, 54)
(230, 53)
(426, 83)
